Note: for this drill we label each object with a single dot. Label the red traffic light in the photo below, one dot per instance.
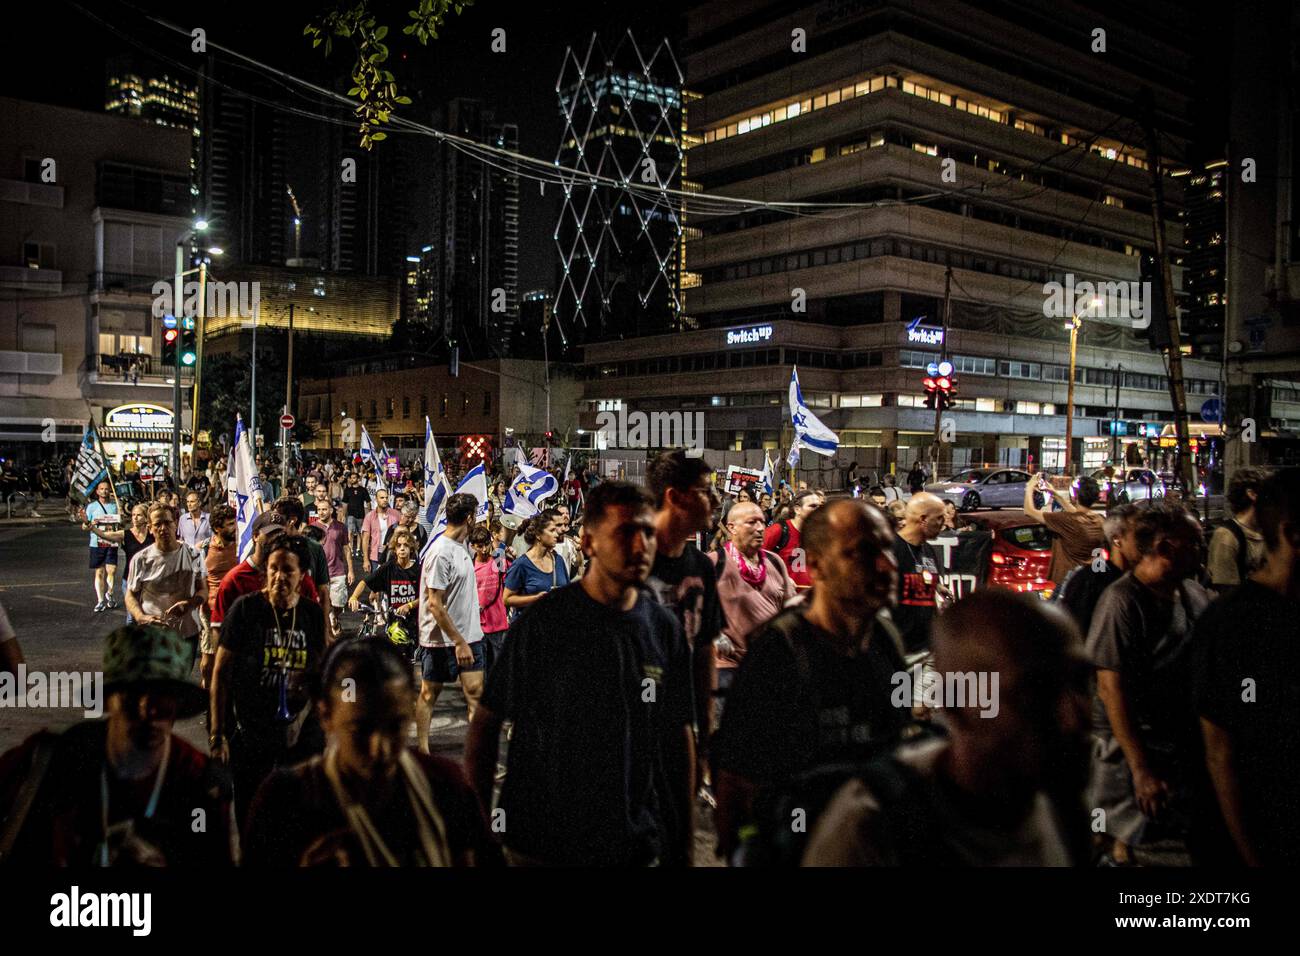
(170, 336)
(944, 384)
(930, 384)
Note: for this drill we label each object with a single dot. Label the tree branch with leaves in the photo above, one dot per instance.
(373, 86)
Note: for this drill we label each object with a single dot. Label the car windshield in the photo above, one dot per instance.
(970, 476)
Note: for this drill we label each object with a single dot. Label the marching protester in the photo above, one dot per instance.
(374, 529)
(752, 586)
(921, 591)
(133, 539)
(567, 547)
(1004, 787)
(249, 575)
(368, 800)
(195, 528)
(223, 554)
(490, 579)
(784, 537)
(1237, 547)
(270, 651)
(1077, 533)
(398, 580)
(682, 578)
(1245, 664)
(1083, 586)
(407, 520)
(451, 634)
(338, 556)
(317, 567)
(815, 686)
(596, 680)
(357, 500)
(11, 654)
(540, 569)
(125, 790)
(168, 582)
(101, 514)
(1147, 757)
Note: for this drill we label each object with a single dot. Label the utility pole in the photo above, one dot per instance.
(1114, 428)
(198, 363)
(288, 403)
(546, 361)
(1177, 394)
(943, 357)
(177, 311)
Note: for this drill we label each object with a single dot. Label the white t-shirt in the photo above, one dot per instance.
(160, 580)
(6, 629)
(449, 568)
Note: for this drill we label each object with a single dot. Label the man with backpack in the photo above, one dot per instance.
(1237, 547)
(784, 537)
(814, 688)
(1004, 787)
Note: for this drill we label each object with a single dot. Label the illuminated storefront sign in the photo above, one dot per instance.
(759, 333)
(923, 336)
(138, 416)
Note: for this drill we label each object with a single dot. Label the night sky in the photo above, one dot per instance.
(55, 53)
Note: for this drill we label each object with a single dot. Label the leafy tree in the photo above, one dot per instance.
(373, 86)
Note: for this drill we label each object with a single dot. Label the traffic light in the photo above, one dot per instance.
(939, 385)
(170, 340)
(189, 345)
(550, 437)
(931, 391)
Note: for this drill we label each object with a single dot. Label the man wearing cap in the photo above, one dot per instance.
(124, 790)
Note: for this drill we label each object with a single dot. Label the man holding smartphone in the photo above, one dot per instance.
(1077, 530)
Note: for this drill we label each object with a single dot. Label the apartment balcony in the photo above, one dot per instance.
(121, 287)
(128, 369)
(31, 194)
(26, 279)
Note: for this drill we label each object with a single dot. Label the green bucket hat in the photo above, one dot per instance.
(139, 655)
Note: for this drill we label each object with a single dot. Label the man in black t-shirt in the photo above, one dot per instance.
(597, 682)
(200, 483)
(271, 647)
(816, 684)
(356, 498)
(920, 590)
(683, 579)
(1246, 659)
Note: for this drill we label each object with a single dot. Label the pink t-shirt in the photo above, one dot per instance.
(746, 607)
(491, 594)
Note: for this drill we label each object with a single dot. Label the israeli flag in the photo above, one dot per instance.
(371, 457)
(474, 483)
(436, 489)
(247, 490)
(529, 489)
(767, 474)
(809, 432)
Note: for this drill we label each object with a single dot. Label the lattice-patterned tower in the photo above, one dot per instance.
(620, 267)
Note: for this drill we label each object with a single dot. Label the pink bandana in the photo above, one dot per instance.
(751, 575)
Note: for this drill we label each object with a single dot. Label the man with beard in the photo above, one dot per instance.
(1004, 788)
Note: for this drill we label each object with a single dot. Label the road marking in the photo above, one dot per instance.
(43, 584)
(46, 597)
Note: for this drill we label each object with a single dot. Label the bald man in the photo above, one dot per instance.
(920, 591)
(753, 586)
(814, 687)
(1005, 787)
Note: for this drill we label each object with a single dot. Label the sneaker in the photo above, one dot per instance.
(112, 604)
(100, 606)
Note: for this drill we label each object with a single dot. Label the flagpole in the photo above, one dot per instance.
(99, 447)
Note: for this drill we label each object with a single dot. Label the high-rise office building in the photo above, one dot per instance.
(999, 145)
(468, 276)
(1205, 232)
(620, 249)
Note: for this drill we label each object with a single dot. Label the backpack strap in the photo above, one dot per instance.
(1243, 550)
(42, 755)
(782, 541)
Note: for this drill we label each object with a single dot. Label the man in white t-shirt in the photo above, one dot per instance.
(169, 580)
(451, 637)
(101, 515)
(11, 655)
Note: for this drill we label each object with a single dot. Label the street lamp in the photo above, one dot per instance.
(1073, 327)
(178, 291)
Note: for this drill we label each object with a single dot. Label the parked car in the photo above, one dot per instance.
(1021, 553)
(983, 488)
(1137, 484)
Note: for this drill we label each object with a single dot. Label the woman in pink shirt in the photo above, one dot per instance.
(490, 574)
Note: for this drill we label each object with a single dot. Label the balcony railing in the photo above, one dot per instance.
(122, 283)
(128, 368)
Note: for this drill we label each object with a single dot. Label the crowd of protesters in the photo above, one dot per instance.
(786, 671)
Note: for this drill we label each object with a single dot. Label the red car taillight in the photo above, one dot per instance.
(1006, 560)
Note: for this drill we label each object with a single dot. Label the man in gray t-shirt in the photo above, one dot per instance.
(451, 637)
(1146, 753)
